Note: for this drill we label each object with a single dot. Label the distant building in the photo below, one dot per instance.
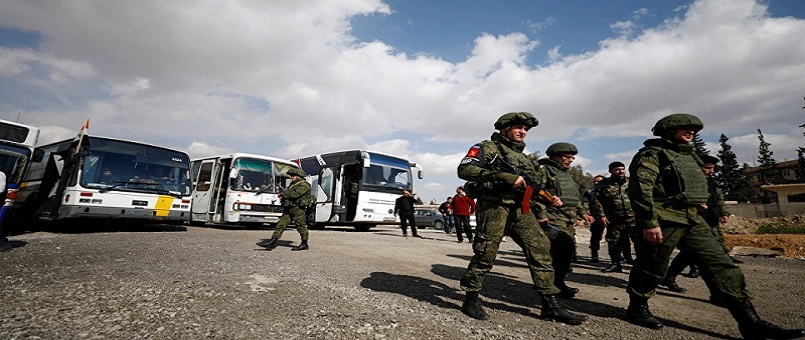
(788, 172)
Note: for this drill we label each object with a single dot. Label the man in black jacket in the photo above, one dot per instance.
(404, 207)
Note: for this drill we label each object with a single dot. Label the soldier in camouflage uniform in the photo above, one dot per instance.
(293, 209)
(715, 213)
(499, 211)
(666, 190)
(612, 208)
(596, 229)
(562, 232)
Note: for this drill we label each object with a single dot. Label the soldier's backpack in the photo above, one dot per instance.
(306, 201)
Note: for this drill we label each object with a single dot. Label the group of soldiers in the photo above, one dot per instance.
(667, 203)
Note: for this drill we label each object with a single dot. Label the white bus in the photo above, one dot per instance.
(356, 187)
(17, 142)
(238, 188)
(107, 178)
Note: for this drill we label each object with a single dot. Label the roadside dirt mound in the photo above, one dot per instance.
(740, 231)
(793, 246)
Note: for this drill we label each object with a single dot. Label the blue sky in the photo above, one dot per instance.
(423, 79)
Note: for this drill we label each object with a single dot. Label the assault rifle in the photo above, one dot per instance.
(531, 185)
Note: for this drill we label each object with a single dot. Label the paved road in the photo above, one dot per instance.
(164, 282)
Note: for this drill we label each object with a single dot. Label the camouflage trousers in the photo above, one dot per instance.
(698, 240)
(298, 216)
(493, 222)
(563, 248)
(618, 243)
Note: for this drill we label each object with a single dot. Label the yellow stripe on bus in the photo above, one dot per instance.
(163, 206)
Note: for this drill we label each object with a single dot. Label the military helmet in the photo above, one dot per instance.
(676, 120)
(296, 171)
(516, 118)
(561, 148)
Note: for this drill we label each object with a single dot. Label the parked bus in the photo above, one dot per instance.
(238, 188)
(17, 142)
(356, 187)
(105, 178)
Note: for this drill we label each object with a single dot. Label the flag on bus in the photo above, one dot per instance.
(83, 130)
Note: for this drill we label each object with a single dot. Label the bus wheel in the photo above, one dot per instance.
(311, 220)
(363, 227)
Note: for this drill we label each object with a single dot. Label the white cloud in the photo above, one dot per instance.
(288, 78)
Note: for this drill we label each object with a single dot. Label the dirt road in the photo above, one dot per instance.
(163, 282)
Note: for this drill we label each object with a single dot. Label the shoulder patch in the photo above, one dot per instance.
(474, 151)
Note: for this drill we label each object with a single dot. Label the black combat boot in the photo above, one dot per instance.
(615, 267)
(639, 314)
(472, 307)
(268, 244)
(753, 327)
(302, 246)
(694, 272)
(552, 310)
(670, 283)
(594, 256)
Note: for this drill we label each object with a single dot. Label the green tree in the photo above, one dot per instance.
(769, 172)
(730, 176)
(699, 146)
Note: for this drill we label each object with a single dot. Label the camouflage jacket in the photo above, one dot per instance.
(559, 182)
(654, 187)
(297, 189)
(716, 207)
(486, 180)
(611, 200)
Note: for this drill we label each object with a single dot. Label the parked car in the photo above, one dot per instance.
(433, 218)
(429, 218)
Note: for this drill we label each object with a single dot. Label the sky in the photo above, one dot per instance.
(421, 79)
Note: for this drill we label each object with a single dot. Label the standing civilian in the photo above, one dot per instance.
(463, 208)
(404, 207)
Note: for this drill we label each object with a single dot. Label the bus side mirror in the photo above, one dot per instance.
(38, 155)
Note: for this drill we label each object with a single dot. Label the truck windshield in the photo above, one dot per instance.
(129, 166)
(258, 175)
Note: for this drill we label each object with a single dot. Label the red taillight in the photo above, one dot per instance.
(86, 194)
(185, 201)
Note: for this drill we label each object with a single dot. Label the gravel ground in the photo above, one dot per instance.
(167, 282)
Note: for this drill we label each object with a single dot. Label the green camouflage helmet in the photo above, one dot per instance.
(676, 120)
(561, 148)
(296, 171)
(516, 118)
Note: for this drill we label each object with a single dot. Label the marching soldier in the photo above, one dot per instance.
(295, 199)
(562, 231)
(666, 189)
(500, 211)
(612, 208)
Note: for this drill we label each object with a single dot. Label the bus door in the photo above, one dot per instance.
(351, 177)
(218, 191)
(202, 193)
(326, 197)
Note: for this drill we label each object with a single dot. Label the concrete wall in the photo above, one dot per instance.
(756, 210)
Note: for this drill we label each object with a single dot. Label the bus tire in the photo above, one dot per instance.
(311, 220)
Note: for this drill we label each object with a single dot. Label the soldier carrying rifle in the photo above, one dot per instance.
(502, 210)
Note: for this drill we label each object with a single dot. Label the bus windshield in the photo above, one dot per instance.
(258, 175)
(12, 162)
(386, 172)
(128, 166)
